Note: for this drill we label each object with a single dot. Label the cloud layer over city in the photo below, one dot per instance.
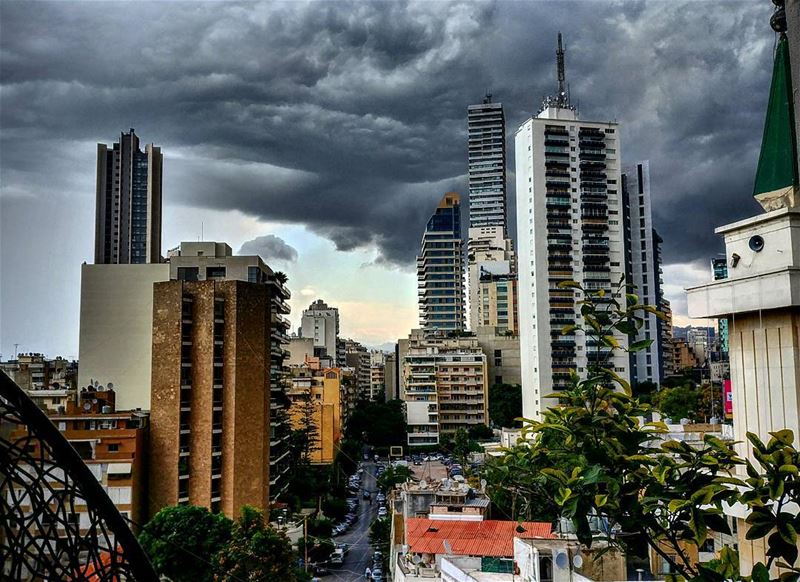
(350, 118)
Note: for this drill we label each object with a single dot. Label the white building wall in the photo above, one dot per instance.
(116, 329)
(532, 235)
(644, 273)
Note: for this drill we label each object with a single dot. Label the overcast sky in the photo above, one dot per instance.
(322, 134)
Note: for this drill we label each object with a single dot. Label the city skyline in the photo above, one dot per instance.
(215, 169)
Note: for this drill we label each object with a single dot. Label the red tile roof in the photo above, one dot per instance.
(471, 538)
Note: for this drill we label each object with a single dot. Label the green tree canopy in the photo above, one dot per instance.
(505, 405)
(256, 551)
(380, 424)
(182, 540)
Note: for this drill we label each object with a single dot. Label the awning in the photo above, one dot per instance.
(119, 468)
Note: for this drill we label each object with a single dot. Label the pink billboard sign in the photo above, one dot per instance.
(727, 397)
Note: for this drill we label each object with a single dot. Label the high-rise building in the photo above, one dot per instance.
(502, 355)
(445, 385)
(486, 127)
(643, 270)
(128, 211)
(210, 411)
(667, 352)
(440, 272)
(214, 261)
(719, 269)
(321, 323)
(569, 228)
(490, 257)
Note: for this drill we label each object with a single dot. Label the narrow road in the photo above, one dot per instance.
(360, 554)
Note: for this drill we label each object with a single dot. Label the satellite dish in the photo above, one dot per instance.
(448, 549)
(423, 484)
(483, 484)
(416, 559)
(465, 488)
(110, 385)
(446, 484)
(87, 406)
(95, 383)
(562, 561)
(577, 561)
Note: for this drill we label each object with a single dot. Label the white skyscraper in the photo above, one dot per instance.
(644, 269)
(569, 227)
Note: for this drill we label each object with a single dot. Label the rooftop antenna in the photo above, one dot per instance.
(560, 64)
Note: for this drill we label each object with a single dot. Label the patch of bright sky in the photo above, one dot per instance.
(377, 304)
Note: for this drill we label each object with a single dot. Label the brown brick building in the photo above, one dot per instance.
(210, 430)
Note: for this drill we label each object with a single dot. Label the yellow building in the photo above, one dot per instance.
(317, 395)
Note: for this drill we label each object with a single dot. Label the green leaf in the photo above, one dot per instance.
(640, 345)
(759, 573)
(756, 442)
(788, 469)
(785, 436)
(758, 531)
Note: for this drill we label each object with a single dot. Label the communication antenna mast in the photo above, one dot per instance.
(562, 90)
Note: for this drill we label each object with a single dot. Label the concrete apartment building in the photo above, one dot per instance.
(318, 392)
(496, 303)
(321, 323)
(502, 355)
(569, 228)
(440, 272)
(377, 376)
(112, 443)
(667, 351)
(36, 372)
(445, 386)
(490, 252)
(358, 359)
(128, 209)
(210, 434)
(116, 333)
(643, 270)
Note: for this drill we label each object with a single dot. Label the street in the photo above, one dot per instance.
(360, 554)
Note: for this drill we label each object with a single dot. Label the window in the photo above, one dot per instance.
(253, 275)
(113, 448)
(188, 273)
(215, 272)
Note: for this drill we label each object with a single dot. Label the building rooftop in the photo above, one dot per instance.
(471, 538)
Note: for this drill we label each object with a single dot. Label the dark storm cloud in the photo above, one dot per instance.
(269, 247)
(350, 117)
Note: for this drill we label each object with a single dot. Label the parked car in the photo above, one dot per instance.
(382, 512)
(366, 495)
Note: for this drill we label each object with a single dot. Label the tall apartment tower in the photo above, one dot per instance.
(210, 417)
(486, 124)
(128, 209)
(490, 253)
(569, 228)
(321, 323)
(643, 270)
(440, 271)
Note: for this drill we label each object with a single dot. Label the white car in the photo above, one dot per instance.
(382, 512)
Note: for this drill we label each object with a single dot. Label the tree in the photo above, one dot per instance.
(256, 551)
(461, 445)
(334, 508)
(392, 476)
(308, 433)
(181, 541)
(678, 402)
(480, 432)
(380, 424)
(600, 461)
(379, 532)
(505, 405)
